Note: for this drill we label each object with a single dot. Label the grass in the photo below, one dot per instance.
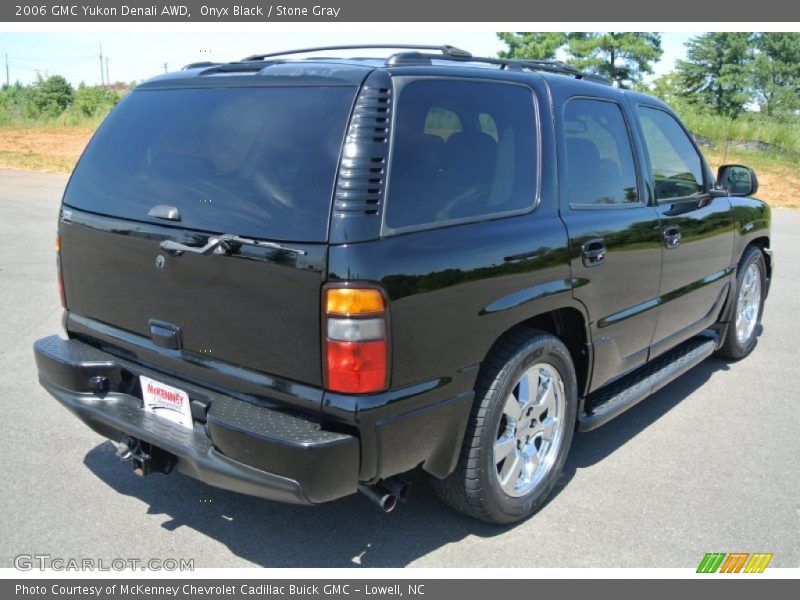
(56, 148)
(66, 119)
(782, 134)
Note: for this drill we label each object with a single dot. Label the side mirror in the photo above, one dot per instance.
(738, 180)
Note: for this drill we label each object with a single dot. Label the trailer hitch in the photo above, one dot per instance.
(145, 457)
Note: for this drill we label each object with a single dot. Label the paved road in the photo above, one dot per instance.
(708, 464)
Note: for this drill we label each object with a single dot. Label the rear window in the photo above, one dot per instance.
(462, 150)
(250, 161)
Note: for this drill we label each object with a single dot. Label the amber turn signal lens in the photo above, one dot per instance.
(353, 301)
(58, 242)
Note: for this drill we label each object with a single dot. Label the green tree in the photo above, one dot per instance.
(667, 87)
(716, 72)
(12, 103)
(622, 57)
(776, 71)
(52, 96)
(92, 101)
(542, 46)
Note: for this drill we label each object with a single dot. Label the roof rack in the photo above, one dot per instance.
(446, 50)
(516, 64)
(414, 54)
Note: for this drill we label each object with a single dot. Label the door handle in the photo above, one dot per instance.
(593, 252)
(672, 236)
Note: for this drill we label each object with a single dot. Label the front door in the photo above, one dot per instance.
(696, 228)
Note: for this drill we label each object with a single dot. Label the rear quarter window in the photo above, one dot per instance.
(256, 161)
(462, 150)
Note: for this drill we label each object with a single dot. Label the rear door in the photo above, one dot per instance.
(614, 238)
(696, 229)
(188, 165)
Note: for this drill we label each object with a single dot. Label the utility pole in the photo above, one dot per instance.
(102, 79)
(166, 67)
(8, 79)
(108, 79)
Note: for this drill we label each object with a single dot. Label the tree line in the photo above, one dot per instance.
(52, 97)
(724, 73)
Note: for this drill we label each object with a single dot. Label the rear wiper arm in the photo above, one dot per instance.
(224, 243)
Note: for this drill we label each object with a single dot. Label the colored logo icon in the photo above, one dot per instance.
(734, 562)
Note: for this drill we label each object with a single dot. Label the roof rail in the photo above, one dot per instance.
(518, 64)
(197, 65)
(449, 51)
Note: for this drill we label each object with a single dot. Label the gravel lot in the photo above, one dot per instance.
(708, 464)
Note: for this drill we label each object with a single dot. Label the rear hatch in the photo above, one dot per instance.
(187, 165)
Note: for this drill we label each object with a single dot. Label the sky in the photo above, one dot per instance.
(137, 56)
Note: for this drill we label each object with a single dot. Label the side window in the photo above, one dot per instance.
(677, 168)
(461, 150)
(600, 168)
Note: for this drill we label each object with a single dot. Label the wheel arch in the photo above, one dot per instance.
(763, 244)
(570, 325)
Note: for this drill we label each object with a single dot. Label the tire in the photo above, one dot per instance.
(743, 329)
(483, 486)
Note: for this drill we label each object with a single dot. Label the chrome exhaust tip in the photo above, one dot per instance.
(380, 496)
(397, 486)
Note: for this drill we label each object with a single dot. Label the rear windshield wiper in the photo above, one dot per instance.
(223, 244)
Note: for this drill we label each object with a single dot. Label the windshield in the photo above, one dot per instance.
(256, 161)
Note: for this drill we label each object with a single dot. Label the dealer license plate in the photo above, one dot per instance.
(166, 401)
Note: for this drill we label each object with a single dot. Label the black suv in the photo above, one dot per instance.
(301, 278)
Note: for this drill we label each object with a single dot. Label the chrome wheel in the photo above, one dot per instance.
(530, 430)
(748, 304)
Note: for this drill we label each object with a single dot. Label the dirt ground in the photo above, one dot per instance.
(44, 149)
(57, 149)
(778, 179)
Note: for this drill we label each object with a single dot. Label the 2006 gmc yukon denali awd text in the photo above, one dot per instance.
(301, 278)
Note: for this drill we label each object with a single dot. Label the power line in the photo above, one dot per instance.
(50, 59)
(101, 65)
(37, 67)
(28, 69)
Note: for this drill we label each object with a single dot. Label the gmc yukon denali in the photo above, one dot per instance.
(300, 278)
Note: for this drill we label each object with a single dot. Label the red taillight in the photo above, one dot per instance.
(356, 367)
(61, 292)
(356, 345)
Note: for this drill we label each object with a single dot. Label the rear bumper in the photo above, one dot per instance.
(235, 445)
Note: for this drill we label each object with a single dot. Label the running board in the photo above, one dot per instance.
(607, 403)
